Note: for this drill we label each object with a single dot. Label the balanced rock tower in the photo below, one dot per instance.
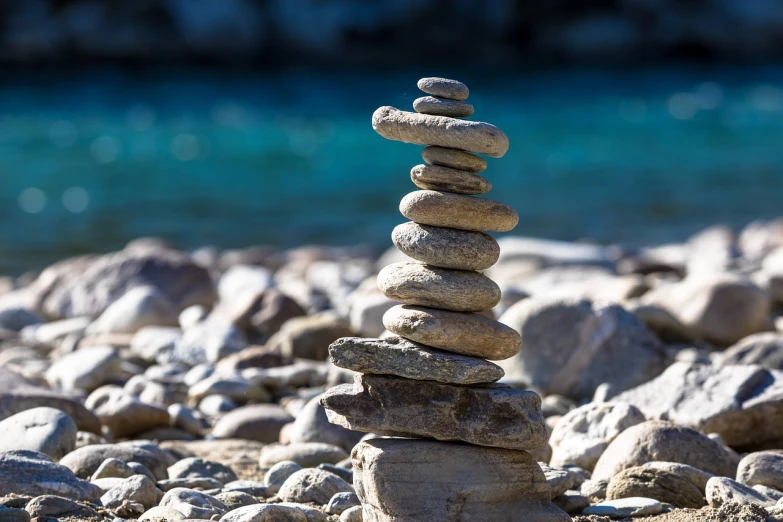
(459, 452)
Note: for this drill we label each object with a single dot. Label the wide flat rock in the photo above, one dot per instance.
(428, 481)
(454, 158)
(404, 358)
(460, 332)
(438, 106)
(493, 415)
(434, 177)
(446, 247)
(744, 404)
(458, 290)
(424, 129)
(444, 209)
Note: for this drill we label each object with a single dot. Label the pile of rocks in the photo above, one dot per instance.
(431, 377)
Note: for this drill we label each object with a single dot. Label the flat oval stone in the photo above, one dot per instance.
(433, 177)
(404, 358)
(424, 129)
(443, 209)
(446, 247)
(442, 107)
(445, 88)
(458, 290)
(454, 158)
(464, 333)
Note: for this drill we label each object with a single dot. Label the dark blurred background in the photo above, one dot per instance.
(247, 122)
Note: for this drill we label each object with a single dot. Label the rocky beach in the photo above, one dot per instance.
(328, 384)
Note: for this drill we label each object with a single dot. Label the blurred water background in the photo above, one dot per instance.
(93, 158)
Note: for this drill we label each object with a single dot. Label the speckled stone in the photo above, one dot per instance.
(464, 333)
(458, 290)
(434, 177)
(442, 107)
(404, 358)
(446, 247)
(442, 209)
(445, 88)
(454, 158)
(491, 415)
(424, 129)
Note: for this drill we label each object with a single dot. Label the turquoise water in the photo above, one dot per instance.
(92, 159)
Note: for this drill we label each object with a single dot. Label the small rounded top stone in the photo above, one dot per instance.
(444, 88)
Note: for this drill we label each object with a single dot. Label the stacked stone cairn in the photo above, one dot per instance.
(459, 441)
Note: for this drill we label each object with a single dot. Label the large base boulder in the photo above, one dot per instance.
(429, 481)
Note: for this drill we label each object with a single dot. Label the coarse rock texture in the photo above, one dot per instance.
(306, 454)
(423, 129)
(721, 490)
(86, 460)
(580, 437)
(312, 485)
(18, 394)
(445, 179)
(456, 290)
(424, 480)
(404, 358)
(161, 514)
(444, 209)
(261, 422)
(137, 488)
(193, 504)
(45, 430)
(693, 475)
(341, 502)
(744, 404)
(602, 344)
(446, 247)
(764, 349)
(721, 308)
(663, 486)
(444, 88)
(24, 472)
(198, 467)
(663, 441)
(279, 473)
(88, 285)
(453, 158)
(493, 415)
(438, 106)
(265, 513)
(464, 333)
(763, 468)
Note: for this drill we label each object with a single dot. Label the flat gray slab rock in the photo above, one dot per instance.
(29, 473)
(404, 358)
(446, 247)
(444, 209)
(429, 481)
(438, 106)
(744, 404)
(625, 507)
(464, 333)
(493, 415)
(454, 158)
(444, 87)
(433, 177)
(423, 129)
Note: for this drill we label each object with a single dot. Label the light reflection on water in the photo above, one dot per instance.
(92, 159)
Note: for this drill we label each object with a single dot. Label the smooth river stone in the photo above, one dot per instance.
(434, 177)
(423, 129)
(445, 88)
(442, 107)
(421, 480)
(404, 358)
(418, 284)
(454, 158)
(491, 415)
(446, 247)
(464, 333)
(442, 209)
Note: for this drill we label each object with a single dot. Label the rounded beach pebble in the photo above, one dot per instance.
(442, 209)
(435, 177)
(442, 107)
(444, 88)
(446, 247)
(454, 158)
